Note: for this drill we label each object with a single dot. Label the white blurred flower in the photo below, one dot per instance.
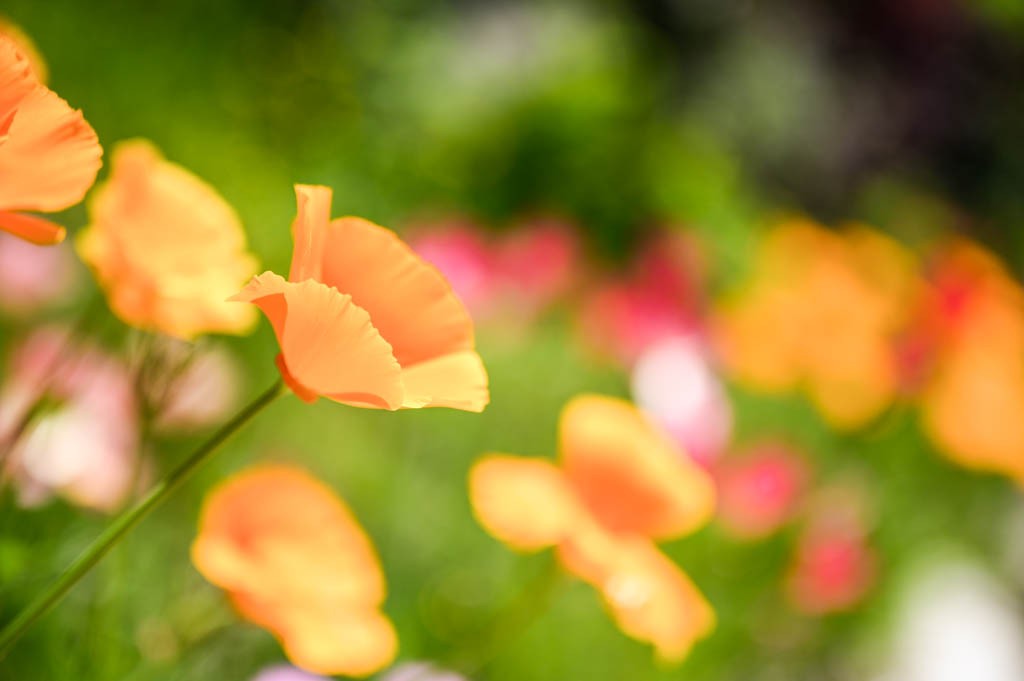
(673, 382)
(420, 671)
(957, 623)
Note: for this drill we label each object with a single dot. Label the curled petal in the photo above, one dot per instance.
(526, 503)
(329, 345)
(50, 156)
(629, 474)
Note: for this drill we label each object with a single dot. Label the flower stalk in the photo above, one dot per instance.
(129, 519)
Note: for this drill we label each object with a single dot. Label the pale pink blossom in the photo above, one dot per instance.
(675, 384)
(83, 444)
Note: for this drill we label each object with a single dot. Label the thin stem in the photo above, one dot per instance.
(127, 520)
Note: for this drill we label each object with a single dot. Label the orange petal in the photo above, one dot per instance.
(629, 474)
(32, 228)
(295, 561)
(328, 343)
(16, 81)
(277, 530)
(649, 597)
(50, 156)
(326, 640)
(458, 380)
(309, 232)
(525, 503)
(409, 301)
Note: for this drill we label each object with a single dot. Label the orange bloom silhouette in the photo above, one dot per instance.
(621, 485)
(165, 247)
(973, 399)
(364, 321)
(49, 155)
(294, 561)
(823, 311)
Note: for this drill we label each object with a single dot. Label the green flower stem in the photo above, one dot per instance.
(129, 519)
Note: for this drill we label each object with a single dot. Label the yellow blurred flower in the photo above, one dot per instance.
(621, 485)
(166, 248)
(295, 561)
(822, 312)
(973, 403)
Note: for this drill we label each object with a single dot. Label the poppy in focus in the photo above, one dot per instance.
(165, 247)
(49, 154)
(295, 561)
(621, 485)
(364, 321)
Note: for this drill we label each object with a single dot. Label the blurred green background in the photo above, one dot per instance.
(620, 115)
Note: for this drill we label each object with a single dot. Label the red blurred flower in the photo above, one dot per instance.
(658, 297)
(760, 490)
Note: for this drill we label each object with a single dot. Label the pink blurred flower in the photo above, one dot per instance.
(536, 264)
(659, 297)
(834, 567)
(760, 490)
(83, 448)
(32, 277)
(513, 277)
(460, 250)
(202, 391)
(673, 382)
(420, 671)
(286, 672)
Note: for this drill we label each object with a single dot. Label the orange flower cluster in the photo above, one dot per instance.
(365, 321)
(49, 155)
(294, 560)
(822, 311)
(853, 318)
(621, 486)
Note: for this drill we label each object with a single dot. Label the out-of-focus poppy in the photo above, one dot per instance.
(364, 321)
(295, 561)
(165, 247)
(49, 155)
(760, 490)
(823, 311)
(621, 485)
(972, 400)
(83, 445)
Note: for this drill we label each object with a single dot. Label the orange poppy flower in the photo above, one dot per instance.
(973, 399)
(165, 247)
(49, 155)
(823, 311)
(294, 561)
(364, 321)
(622, 484)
